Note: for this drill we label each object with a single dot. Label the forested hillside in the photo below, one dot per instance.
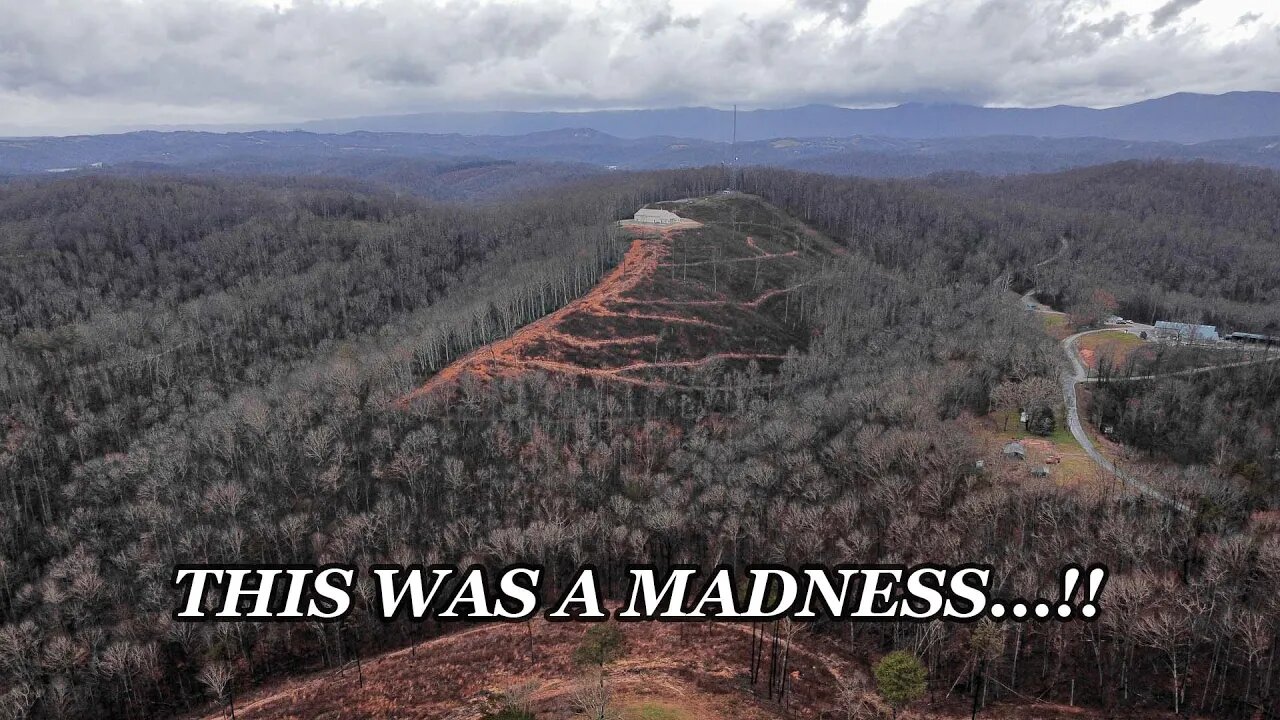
(211, 371)
(1193, 242)
(1226, 420)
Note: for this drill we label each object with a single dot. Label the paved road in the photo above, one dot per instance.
(1077, 374)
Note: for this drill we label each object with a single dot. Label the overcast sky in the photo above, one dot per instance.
(89, 65)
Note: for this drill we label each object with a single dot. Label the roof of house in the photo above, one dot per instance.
(1015, 447)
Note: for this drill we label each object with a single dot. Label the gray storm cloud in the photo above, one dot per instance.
(1170, 11)
(103, 63)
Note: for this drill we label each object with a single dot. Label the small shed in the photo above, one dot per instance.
(1015, 451)
(656, 217)
(1245, 337)
(1040, 472)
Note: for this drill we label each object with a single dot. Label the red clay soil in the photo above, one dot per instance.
(627, 330)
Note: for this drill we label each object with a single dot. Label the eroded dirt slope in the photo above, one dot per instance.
(721, 287)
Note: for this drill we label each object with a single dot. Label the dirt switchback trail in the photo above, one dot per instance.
(717, 287)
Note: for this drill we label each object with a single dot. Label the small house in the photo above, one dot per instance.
(1015, 451)
(1040, 472)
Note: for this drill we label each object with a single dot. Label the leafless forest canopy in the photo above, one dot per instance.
(197, 370)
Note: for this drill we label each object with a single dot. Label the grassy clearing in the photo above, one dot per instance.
(1061, 436)
(1117, 345)
(655, 711)
(1077, 467)
(1074, 465)
(1055, 325)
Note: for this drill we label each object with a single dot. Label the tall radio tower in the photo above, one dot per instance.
(733, 151)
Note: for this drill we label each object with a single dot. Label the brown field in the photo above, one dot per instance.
(1073, 467)
(1056, 325)
(669, 671)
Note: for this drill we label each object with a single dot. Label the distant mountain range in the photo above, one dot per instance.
(1184, 117)
(395, 156)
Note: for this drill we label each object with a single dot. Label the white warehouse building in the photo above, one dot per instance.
(656, 217)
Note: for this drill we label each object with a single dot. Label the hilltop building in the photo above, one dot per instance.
(656, 217)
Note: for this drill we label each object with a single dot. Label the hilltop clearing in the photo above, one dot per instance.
(720, 287)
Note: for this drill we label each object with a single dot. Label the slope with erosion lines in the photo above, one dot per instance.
(720, 286)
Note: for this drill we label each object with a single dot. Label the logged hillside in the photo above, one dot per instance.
(722, 287)
(664, 672)
(680, 672)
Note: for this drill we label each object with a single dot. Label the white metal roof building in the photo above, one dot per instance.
(656, 217)
(1187, 332)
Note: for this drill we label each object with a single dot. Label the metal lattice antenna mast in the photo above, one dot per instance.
(733, 151)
